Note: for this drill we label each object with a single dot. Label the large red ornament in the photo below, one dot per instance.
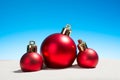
(59, 50)
(87, 57)
(31, 61)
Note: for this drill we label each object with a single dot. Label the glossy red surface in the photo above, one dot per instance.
(87, 58)
(58, 50)
(31, 62)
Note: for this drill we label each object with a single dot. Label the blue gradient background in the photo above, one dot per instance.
(95, 21)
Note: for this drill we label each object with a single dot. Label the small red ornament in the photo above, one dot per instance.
(31, 61)
(87, 57)
(59, 50)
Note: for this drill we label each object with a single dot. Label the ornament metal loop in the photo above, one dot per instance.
(66, 30)
(31, 42)
(31, 47)
(82, 45)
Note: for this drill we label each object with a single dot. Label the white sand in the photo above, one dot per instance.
(107, 69)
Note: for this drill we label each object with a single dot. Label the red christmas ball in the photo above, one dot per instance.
(31, 61)
(87, 57)
(59, 50)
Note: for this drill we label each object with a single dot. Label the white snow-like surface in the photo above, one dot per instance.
(107, 69)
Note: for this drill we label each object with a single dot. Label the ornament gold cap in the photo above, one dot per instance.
(66, 30)
(31, 47)
(82, 45)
